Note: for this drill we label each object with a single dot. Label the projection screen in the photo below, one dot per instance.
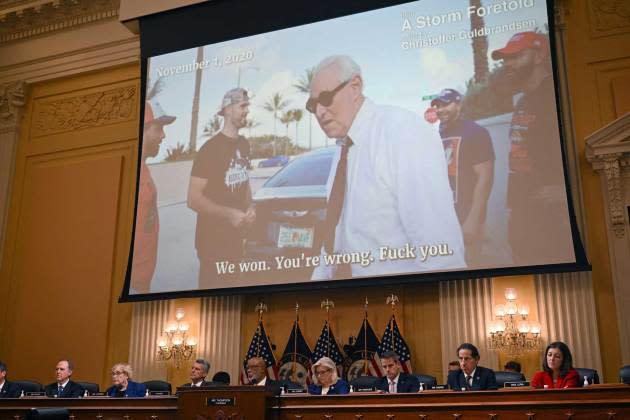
(412, 142)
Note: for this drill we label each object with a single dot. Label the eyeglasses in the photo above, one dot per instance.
(117, 373)
(322, 372)
(325, 98)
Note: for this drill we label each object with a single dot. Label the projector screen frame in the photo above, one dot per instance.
(150, 47)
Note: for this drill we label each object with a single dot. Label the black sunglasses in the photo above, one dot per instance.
(325, 98)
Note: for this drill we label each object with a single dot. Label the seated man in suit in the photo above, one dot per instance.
(471, 377)
(8, 389)
(64, 387)
(198, 374)
(395, 380)
(257, 375)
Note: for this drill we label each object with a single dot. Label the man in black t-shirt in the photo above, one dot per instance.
(470, 158)
(539, 230)
(220, 194)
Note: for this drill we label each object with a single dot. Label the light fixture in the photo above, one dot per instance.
(174, 343)
(512, 333)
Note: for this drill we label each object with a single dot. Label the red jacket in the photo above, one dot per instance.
(570, 380)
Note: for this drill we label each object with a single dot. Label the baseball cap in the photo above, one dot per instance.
(153, 112)
(446, 96)
(233, 96)
(519, 42)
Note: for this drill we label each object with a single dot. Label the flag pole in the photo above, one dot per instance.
(260, 308)
(392, 300)
(295, 329)
(327, 304)
(365, 361)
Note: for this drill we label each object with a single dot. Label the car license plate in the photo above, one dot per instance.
(292, 237)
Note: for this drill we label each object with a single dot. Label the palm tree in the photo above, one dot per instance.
(303, 85)
(286, 118)
(479, 44)
(195, 107)
(297, 117)
(212, 127)
(251, 123)
(275, 105)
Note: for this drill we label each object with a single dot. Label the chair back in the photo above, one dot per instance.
(90, 387)
(157, 386)
(504, 376)
(591, 375)
(48, 414)
(30, 386)
(364, 383)
(624, 375)
(288, 384)
(429, 381)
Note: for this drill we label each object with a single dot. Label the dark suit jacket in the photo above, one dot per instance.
(203, 383)
(406, 383)
(484, 379)
(10, 390)
(134, 389)
(71, 390)
(338, 388)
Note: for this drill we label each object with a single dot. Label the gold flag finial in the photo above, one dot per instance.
(392, 300)
(260, 308)
(327, 304)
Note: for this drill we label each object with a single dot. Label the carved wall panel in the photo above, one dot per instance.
(613, 80)
(93, 109)
(609, 17)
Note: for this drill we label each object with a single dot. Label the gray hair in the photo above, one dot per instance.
(391, 355)
(124, 368)
(347, 67)
(327, 363)
(206, 365)
(69, 362)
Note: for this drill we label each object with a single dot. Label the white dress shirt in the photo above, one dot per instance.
(393, 384)
(397, 193)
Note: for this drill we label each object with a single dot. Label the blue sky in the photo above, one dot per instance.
(391, 74)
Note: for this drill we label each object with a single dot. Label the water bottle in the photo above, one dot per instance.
(421, 387)
(585, 381)
(22, 394)
(351, 389)
(85, 394)
(146, 394)
(282, 391)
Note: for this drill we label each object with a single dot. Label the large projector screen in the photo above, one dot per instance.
(403, 143)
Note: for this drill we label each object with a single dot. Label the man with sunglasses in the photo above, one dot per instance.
(388, 189)
(220, 194)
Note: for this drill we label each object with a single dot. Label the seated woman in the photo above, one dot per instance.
(123, 386)
(327, 382)
(558, 369)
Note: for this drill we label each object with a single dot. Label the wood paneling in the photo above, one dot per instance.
(69, 224)
(417, 315)
(598, 65)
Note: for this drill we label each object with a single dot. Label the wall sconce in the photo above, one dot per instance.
(174, 343)
(511, 332)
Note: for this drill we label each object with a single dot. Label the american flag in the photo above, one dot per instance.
(393, 341)
(260, 347)
(327, 346)
(366, 348)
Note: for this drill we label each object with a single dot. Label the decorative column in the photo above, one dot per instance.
(12, 101)
(608, 151)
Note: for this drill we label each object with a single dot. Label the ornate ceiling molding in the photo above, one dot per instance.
(22, 19)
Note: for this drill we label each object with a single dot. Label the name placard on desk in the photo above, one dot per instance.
(517, 384)
(159, 393)
(295, 391)
(221, 401)
(35, 394)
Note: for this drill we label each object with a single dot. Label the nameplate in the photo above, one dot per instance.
(98, 394)
(221, 401)
(516, 384)
(364, 389)
(440, 388)
(159, 393)
(295, 391)
(35, 394)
